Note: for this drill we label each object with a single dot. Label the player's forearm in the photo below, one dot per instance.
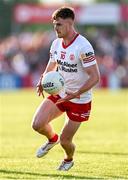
(94, 77)
(50, 67)
(91, 82)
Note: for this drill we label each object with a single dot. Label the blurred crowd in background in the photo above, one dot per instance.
(24, 56)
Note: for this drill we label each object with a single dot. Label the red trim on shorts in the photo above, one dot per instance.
(75, 112)
(54, 99)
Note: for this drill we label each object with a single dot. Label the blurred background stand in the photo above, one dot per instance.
(26, 34)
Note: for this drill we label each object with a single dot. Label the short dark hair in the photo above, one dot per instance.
(64, 13)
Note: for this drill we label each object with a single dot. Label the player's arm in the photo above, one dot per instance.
(50, 67)
(94, 77)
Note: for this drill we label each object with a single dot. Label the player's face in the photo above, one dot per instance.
(62, 27)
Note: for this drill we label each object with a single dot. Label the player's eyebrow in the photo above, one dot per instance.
(57, 24)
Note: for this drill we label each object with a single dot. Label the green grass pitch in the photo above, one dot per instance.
(101, 143)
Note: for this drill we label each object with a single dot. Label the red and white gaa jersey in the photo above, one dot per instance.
(72, 61)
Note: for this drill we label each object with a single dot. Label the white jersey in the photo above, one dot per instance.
(72, 61)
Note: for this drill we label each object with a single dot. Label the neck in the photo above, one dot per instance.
(69, 37)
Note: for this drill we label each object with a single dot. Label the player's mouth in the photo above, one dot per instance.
(58, 33)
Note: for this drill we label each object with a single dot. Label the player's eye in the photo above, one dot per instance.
(58, 24)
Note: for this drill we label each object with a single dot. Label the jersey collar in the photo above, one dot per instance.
(65, 46)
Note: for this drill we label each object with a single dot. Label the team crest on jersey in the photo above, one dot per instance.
(87, 57)
(72, 57)
(62, 56)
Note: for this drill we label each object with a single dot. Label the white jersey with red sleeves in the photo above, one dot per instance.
(72, 61)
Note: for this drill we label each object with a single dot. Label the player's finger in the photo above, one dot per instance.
(60, 101)
(42, 94)
(38, 92)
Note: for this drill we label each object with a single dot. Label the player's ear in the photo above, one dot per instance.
(70, 21)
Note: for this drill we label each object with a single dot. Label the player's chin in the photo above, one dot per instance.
(59, 35)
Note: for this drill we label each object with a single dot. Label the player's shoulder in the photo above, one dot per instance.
(83, 41)
(56, 42)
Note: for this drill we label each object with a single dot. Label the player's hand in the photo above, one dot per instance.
(68, 97)
(39, 89)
